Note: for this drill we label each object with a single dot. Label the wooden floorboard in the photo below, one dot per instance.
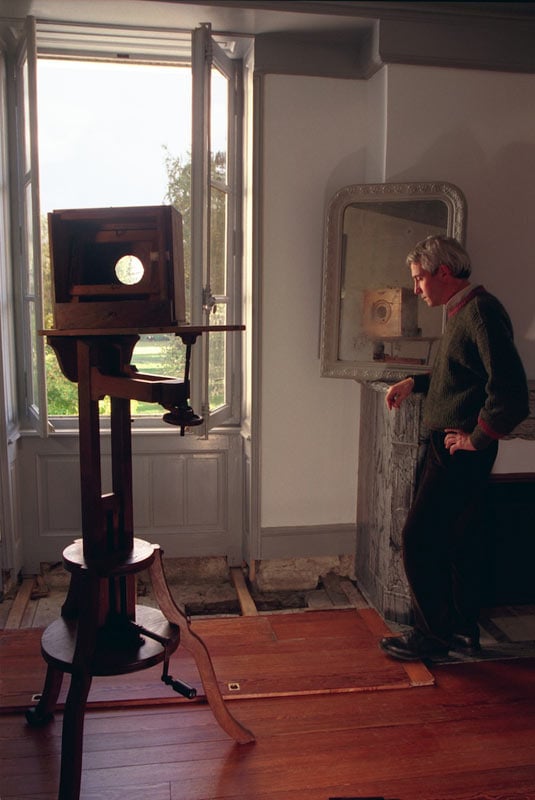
(471, 736)
(20, 603)
(318, 652)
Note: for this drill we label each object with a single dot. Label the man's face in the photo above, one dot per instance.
(429, 287)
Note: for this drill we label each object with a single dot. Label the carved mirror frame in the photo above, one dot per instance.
(365, 275)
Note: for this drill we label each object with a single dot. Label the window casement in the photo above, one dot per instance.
(216, 209)
(214, 195)
(27, 238)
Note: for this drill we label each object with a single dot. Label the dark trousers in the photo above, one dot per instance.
(443, 539)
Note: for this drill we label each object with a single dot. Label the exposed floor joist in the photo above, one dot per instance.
(247, 604)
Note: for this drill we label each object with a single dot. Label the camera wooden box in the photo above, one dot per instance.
(117, 267)
(389, 313)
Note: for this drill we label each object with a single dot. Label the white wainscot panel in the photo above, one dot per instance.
(206, 498)
(188, 494)
(180, 491)
(166, 488)
(59, 494)
(142, 499)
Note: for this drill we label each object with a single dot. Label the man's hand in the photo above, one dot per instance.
(457, 440)
(399, 392)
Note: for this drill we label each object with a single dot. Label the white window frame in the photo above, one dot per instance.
(84, 42)
(27, 238)
(207, 54)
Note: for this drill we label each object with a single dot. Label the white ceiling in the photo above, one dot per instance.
(162, 14)
(250, 17)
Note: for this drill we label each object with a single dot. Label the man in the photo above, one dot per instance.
(476, 394)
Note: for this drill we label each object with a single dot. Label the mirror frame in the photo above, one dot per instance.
(331, 365)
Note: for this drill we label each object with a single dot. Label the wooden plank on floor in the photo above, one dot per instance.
(308, 748)
(332, 585)
(247, 604)
(356, 599)
(20, 602)
(280, 655)
(417, 672)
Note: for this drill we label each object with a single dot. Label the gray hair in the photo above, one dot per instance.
(434, 251)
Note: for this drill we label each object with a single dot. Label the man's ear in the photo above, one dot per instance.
(444, 271)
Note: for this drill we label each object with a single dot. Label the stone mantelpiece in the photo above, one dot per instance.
(391, 446)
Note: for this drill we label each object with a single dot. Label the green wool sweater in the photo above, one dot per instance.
(478, 383)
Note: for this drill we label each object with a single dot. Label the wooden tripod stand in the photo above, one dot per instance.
(101, 631)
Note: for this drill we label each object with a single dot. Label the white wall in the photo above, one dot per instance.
(475, 129)
(314, 142)
(471, 128)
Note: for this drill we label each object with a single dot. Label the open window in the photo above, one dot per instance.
(115, 120)
(27, 246)
(216, 202)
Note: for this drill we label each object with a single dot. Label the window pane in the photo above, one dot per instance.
(217, 389)
(30, 267)
(26, 112)
(32, 389)
(157, 354)
(179, 195)
(219, 124)
(218, 242)
(62, 394)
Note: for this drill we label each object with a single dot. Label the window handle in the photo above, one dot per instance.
(208, 300)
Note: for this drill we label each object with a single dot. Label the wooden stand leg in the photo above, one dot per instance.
(97, 634)
(198, 649)
(90, 586)
(72, 736)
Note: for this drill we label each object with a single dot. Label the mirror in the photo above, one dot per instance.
(373, 326)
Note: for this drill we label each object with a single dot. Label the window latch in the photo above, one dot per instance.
(208, 300)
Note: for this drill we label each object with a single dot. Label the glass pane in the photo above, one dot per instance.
(26, 113)
(179, 195)
(217, 389)
(158, 354)
(219, 125)
(218, 242)
(46, 278)
(32, 389)
(62, 394)
(28, 215)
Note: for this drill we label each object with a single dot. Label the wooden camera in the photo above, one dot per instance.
(389, 313)
(117, 267)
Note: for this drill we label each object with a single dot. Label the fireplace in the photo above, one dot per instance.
(390, 450)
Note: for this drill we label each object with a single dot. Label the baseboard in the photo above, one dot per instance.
(308, 541)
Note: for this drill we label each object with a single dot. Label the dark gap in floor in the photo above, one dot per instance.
(213, 608)
(280, 600)
(264, 601)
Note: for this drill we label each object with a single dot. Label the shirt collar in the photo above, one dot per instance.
(458, 296)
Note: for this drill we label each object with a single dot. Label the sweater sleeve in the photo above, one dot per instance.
(421, 382)
(507, 396)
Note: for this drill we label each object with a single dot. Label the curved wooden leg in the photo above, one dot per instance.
(198, 649)
(43, 712)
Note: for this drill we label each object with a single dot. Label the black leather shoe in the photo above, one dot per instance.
(466, 644)
(413, 646)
